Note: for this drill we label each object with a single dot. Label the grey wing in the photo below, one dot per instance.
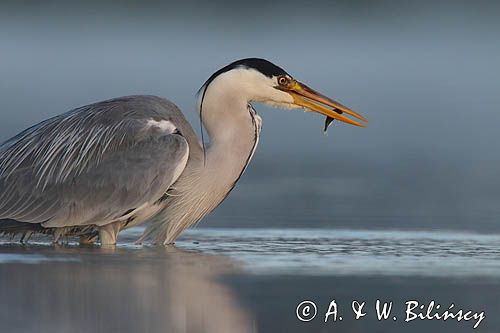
(93, 164)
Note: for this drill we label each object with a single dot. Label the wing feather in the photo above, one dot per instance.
(91, 164)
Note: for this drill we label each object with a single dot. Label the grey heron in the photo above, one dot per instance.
(108, 166)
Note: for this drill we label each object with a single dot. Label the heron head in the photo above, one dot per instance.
(259, 80)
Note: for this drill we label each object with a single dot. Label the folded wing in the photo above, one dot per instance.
(93, 164)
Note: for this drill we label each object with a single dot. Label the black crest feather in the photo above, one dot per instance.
(262, 65)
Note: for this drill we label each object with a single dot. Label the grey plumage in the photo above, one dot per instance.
(91, 165)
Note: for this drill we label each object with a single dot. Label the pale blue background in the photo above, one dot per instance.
(425, 74)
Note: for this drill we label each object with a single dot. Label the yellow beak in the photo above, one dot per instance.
(306, 97)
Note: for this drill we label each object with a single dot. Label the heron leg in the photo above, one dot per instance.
(58, 233)
(108, 233)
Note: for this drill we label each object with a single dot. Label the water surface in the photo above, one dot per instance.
(247, 280)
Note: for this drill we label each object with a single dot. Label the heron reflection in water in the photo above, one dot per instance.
(120, 289)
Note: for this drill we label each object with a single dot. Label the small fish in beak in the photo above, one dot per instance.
(329, 120)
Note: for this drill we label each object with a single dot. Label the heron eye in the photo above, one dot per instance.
(283, 81)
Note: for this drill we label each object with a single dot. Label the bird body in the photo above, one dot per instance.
(108, 166)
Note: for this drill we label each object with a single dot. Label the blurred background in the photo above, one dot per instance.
(426, 75)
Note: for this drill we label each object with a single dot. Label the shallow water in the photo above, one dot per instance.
(352, 252)
(248, 280)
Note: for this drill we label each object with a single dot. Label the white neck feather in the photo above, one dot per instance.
(233, 128)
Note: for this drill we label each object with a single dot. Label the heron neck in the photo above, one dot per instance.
(232, 144)
(205, 183)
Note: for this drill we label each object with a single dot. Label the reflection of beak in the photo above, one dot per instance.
(306, 97)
